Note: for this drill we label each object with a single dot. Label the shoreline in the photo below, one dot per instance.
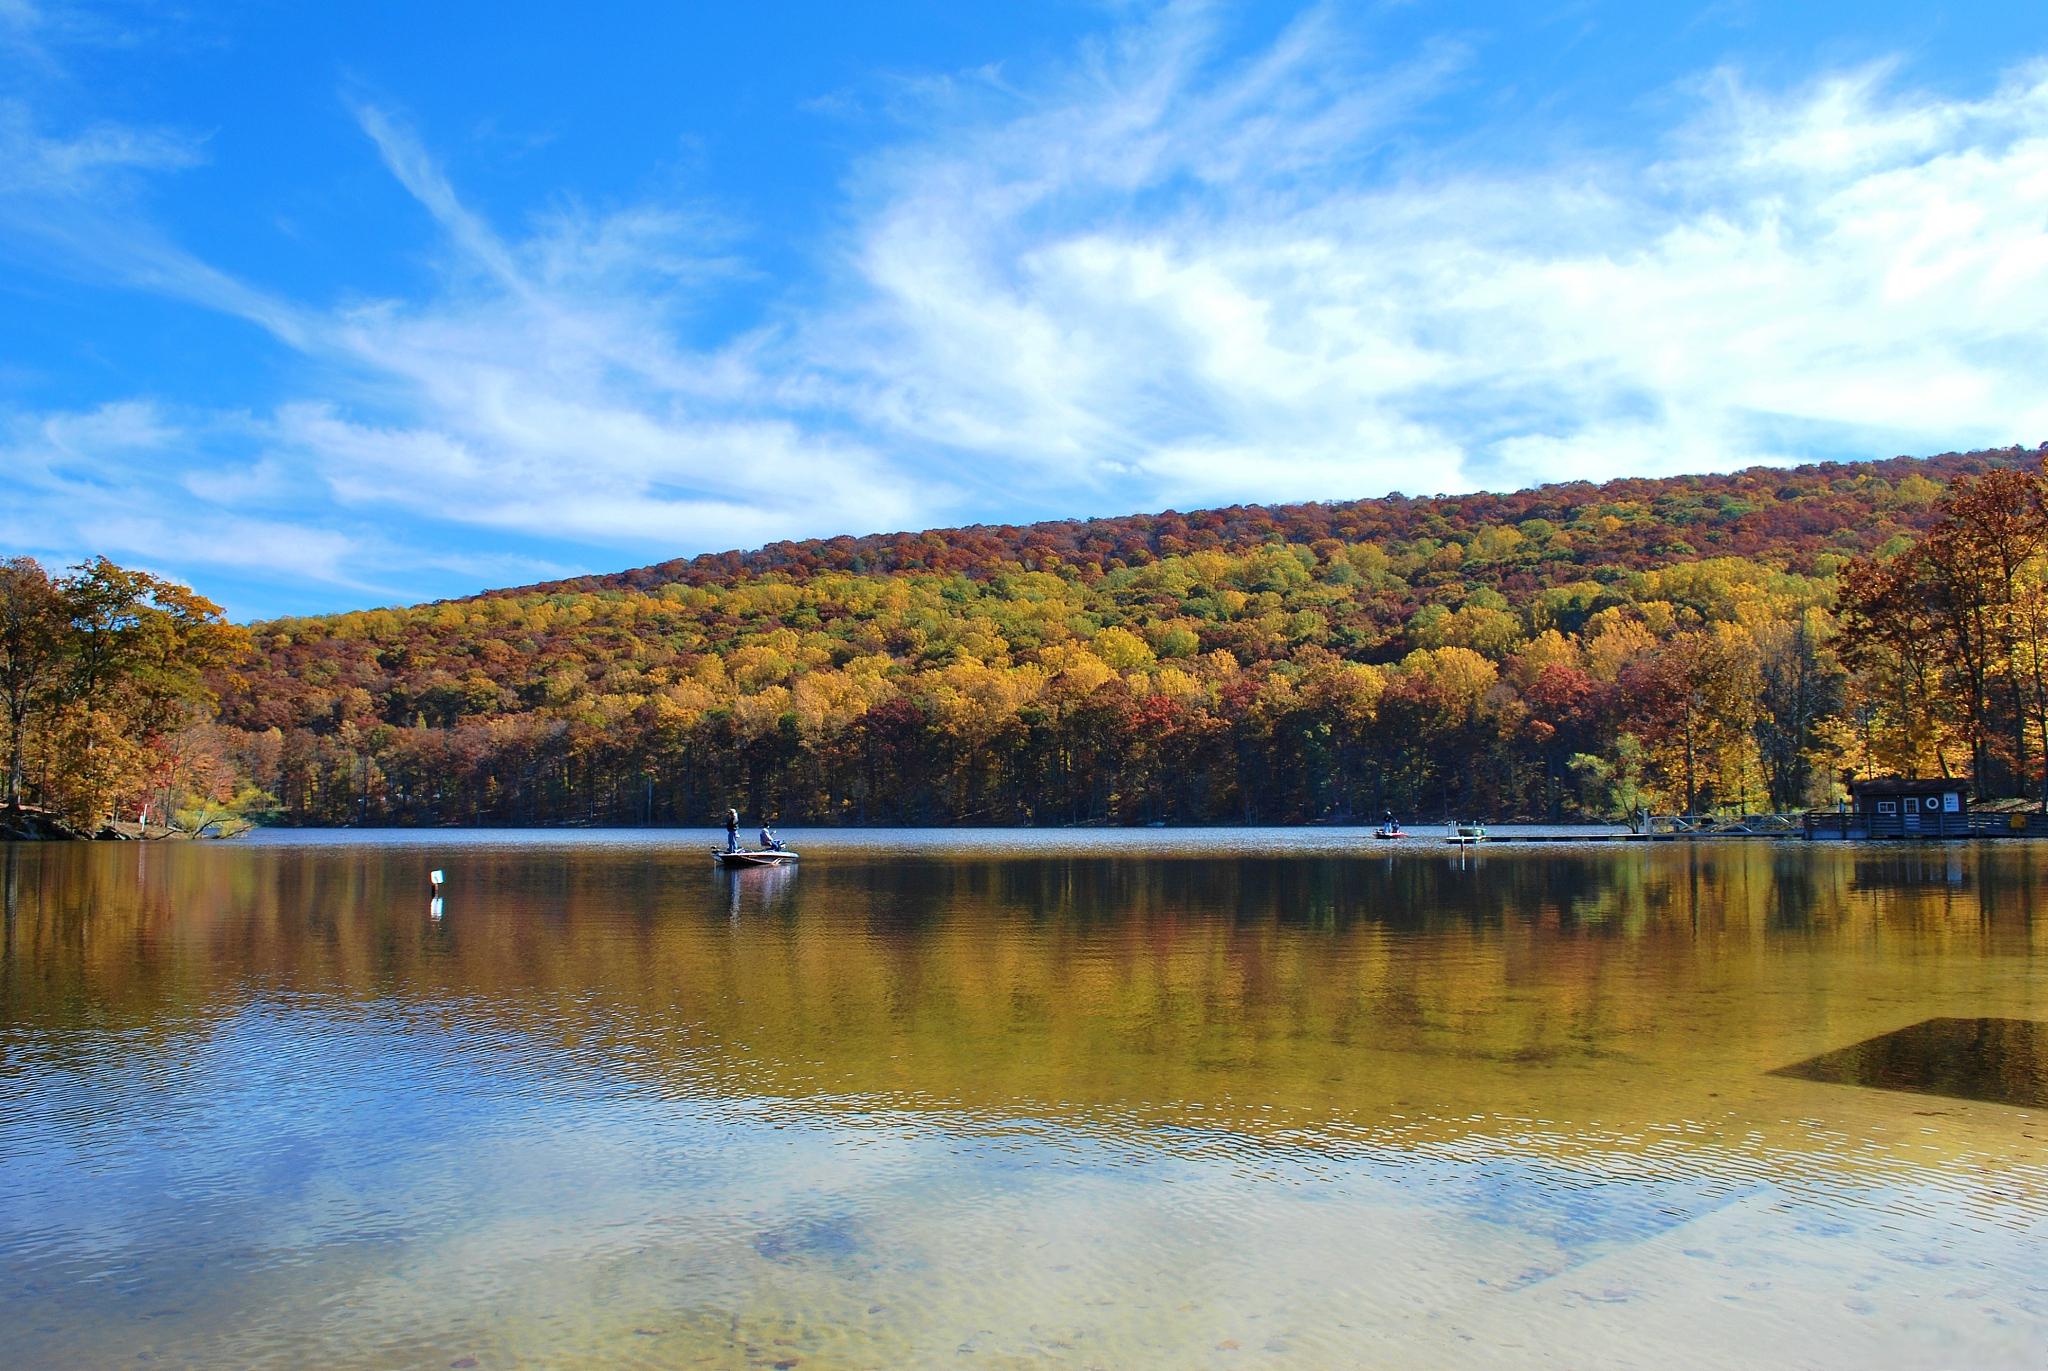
(32, 825)
(36, 826)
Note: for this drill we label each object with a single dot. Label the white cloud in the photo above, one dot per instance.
(31, 161)
(71, 201)
(106, 481)
(1117, 275)
(1199, 276)
(539, 464)
(544, 390)
(263, 546)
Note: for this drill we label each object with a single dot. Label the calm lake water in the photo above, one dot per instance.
(1157, 1099)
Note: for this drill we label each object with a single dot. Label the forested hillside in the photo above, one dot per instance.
(1691, 643)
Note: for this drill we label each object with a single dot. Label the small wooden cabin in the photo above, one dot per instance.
(1899, 807)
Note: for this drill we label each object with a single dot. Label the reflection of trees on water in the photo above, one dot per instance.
(1517, 983)
(1920, 866)
(1411, 894)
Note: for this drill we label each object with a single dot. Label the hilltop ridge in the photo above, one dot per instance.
(1108, 542)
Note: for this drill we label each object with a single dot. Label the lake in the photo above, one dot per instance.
(1114, 1099)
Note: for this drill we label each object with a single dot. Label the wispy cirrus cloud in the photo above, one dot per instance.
(545, 388)
(81, 164)
(1192, 286)
(76, 203)
(541, 390)
(1114, 282)
(107, 481)
(98, 481)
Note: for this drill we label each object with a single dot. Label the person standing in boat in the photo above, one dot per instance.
(732, 830)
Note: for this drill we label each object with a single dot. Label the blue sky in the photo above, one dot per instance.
(317, 307)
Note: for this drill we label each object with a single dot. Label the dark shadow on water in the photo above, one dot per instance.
(828, 1237)
(2004, 1061)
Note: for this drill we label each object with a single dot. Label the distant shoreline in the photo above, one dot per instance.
(1363, 825)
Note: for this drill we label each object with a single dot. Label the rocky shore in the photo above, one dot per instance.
(31, 825)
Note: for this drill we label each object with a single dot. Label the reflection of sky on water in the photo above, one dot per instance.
(272, 1172)
(631, 1117)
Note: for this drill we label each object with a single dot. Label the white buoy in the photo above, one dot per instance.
(434, 879)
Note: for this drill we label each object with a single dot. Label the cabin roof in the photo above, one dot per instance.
(1902, 785)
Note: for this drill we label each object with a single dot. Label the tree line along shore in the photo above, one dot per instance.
(1744, 642)
(109, 679)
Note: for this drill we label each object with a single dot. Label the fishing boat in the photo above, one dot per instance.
(1388, 832)
(761, 857)
(1466, 834)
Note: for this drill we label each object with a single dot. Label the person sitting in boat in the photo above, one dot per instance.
(769, 842)
(732, 830)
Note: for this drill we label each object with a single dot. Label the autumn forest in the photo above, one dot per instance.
(1716, 643)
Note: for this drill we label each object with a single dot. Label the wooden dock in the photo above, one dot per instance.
(1495, 840)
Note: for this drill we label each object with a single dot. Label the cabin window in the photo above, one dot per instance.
(1887, 806)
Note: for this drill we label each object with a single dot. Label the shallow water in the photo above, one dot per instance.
(1164, 1098)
